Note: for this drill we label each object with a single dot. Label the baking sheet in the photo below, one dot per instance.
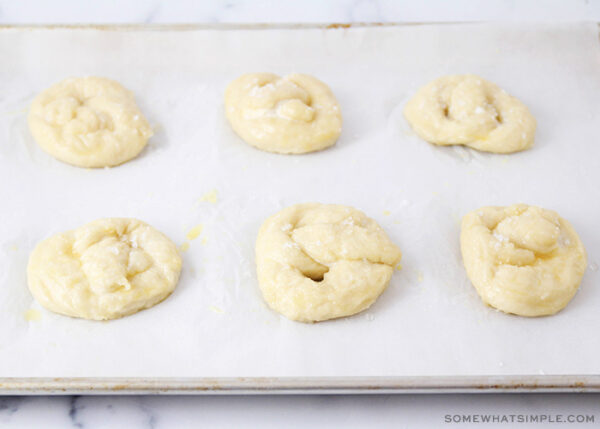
(429, 323)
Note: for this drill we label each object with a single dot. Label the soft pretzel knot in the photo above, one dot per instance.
(522, 259)
(89, 122)
(468, 110)
(106, 269)
(321, 261)
(292, 114)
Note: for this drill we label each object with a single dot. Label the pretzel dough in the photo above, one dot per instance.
(106, 269)
(318, 261)
(292, 114)
(89, 122)
(522, 259)
(468, 110)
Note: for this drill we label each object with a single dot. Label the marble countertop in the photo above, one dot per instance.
(397, 411)
(386, 411)
(156, 11)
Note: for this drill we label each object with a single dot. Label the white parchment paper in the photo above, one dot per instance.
(430, 321)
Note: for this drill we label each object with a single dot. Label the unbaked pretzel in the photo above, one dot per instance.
(89, 122)
(468, 110)
(522, 259)
(321, 261)
(292, 114)
(106, 269)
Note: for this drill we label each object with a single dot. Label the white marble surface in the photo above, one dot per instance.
(397, 411)
(182, 412)
(156, 11)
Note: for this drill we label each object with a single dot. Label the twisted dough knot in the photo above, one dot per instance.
(468, 110)
(317, 262)
(106, 269)
(89, 122)
(292, 114)
(280, 97)
(522, 259)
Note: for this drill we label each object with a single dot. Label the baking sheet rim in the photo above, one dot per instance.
(302, 385)
(284, 385)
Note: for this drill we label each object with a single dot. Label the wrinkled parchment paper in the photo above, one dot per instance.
(430, 320)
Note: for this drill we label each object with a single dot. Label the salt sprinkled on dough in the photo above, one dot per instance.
(501, 238)
(348, 221)
(564, 241)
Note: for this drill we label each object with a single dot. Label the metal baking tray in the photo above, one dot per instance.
(428, 332)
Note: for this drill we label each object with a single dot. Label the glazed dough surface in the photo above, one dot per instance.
(106, 269)
(89, 122)
(522, 259)
(318, 261)
(468, 110)
(292, 114)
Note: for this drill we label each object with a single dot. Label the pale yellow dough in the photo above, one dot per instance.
(106, 269)
(292, 114)
(522, 259)
(89, 122)
(319, 261)
(468, 110)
